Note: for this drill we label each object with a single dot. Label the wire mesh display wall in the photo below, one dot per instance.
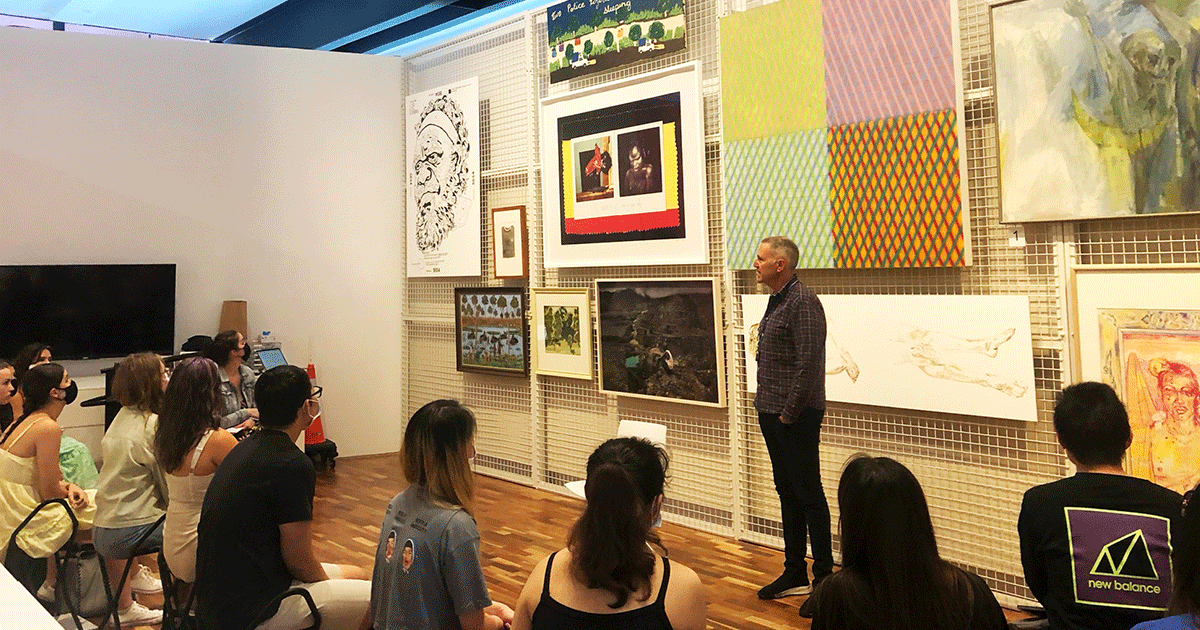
(540, 430)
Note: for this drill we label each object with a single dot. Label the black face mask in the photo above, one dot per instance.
(72, 391)
(246, 352)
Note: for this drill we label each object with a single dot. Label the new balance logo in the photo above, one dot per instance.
(1128, 556)
(1130, 570)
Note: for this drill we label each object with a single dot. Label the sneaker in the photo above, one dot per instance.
(45, 593)
(139, 615)
(785, 585)
(144, 582)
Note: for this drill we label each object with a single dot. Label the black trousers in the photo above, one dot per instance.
(796, 464)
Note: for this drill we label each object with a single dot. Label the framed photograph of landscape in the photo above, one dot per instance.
(562, 332)
(624, 180)
(490, 330)
(510, 243)
(659, 338)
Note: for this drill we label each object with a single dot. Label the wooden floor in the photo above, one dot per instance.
(521, 525)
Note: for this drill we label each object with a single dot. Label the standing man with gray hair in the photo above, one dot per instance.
(791, 405)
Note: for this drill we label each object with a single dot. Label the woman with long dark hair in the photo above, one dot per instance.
(427, 564)
(229, 351)
(1185, 571)
(608, 576)
(74, 457)
(30, 473)
(892, 577)
(189, 445)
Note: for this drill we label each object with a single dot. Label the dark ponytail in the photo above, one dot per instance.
(39, 381)
(609, 541)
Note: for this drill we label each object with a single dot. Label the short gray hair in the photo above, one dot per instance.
(784, 245)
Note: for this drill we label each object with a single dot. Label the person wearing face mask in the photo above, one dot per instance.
(74, 457)
(29, 471)
(230, 352)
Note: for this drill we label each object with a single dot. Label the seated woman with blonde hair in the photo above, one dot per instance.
(608, 576)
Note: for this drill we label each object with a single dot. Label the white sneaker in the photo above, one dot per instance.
(45, 593)
(139, 615)
(144, 582)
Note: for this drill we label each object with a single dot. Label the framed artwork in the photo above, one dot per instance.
(841, 127)
(489, 326)
(754, 305)
(624, 173)
(562, 337)
(588, 37)
(510, 242)
(659, 339)
(959, 354)
(443, 216)
(1139, 331)
(1097, 109)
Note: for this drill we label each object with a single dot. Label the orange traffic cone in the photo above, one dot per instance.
(315, 433)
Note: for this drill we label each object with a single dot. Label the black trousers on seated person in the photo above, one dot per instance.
(796, 465)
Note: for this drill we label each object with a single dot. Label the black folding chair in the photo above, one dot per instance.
(139, 549)
(291, 592)
(31, 572)
(179, 600)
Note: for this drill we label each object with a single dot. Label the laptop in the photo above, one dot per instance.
(271, 357)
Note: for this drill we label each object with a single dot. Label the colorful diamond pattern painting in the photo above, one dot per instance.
(895, 192)
(779, 186)
(886, 58)
(871, 177)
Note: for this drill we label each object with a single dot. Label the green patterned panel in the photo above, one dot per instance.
(779, 186)
(773, 70)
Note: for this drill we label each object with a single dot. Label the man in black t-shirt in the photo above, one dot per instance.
(255, 532)
(1096, 546)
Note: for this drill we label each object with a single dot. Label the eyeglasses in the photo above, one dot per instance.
(316, 395)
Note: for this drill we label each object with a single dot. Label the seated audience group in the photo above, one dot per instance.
(1099, 549)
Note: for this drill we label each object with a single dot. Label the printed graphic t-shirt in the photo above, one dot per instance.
(427, 568)
(1096, 549)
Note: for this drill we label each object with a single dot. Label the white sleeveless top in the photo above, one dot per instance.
(183, 516)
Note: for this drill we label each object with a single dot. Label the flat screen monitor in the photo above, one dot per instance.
(88, 311)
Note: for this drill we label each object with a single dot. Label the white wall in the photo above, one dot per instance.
(269, 175)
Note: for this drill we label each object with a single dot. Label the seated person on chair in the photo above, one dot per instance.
(74, 457)
(229, 351)
(131, 494)
(892, 576)
(30, 473)
(609, 576)
(256, 525)
(1185, 570)
(1095, 546)
(428, 572)
(189, 445)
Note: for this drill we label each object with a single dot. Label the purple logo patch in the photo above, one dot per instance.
(1120, 559)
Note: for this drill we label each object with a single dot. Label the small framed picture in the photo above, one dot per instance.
(489, 324)
(510, 242)
(562, 332)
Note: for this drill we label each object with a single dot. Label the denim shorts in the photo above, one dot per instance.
(117, 543)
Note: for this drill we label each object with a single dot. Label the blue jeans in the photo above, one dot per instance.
(796, 465)
(117, 543)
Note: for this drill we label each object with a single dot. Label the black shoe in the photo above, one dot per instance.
(785, 585)
(808, 608)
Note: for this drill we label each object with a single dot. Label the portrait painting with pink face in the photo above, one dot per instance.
(1152, 358)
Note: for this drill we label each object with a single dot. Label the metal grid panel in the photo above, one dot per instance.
(498, 56)
(974, 470)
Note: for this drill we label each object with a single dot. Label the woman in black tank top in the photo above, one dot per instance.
(609, 576)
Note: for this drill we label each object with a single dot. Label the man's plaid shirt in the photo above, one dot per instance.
(791, 353)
